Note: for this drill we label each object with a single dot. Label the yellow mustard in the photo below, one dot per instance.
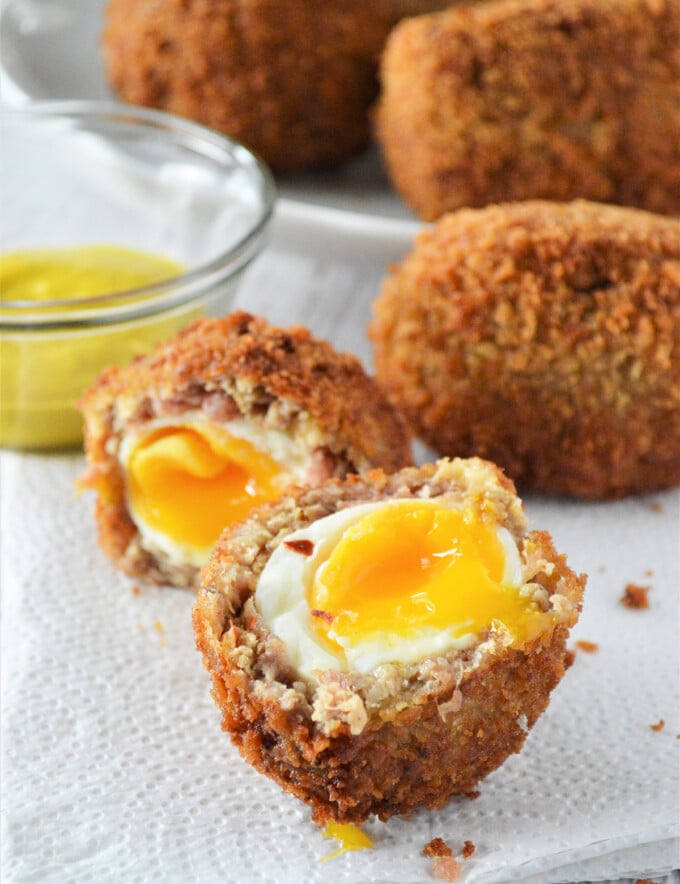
(44, 371)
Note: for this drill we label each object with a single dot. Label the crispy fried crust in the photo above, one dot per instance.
(544, 337)
(522, 99)
(292, 79)
(397, 9)
(225, 368)
(401, 737)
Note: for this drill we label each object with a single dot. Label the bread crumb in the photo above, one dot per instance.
(588, 647)
(446, 868)
(659, 726)
(649, 572)
(135, 590)
(158, 626)
(437, 847)
(635, 596)
(657, 506)
(468, 849)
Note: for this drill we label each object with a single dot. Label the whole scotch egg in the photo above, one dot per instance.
(382, 643)
(215, 421)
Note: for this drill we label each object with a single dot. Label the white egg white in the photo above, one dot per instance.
(290, 453)
(281, 599)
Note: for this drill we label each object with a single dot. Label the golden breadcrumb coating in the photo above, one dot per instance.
(233, 367)
(545, 337)
(292, 79)
(404, 735)
(397, 9)
(524, 99)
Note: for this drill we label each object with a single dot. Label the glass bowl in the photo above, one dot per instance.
(81, 174)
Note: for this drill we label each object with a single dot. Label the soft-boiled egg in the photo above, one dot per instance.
(187, 479)
(393, 582)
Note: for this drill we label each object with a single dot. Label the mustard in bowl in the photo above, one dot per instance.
(124, 225)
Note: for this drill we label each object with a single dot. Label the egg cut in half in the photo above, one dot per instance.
(394, 582)
(188, 479)
(382, 643)
(225, 416)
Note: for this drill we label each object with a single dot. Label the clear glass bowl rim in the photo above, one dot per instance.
(166, 294)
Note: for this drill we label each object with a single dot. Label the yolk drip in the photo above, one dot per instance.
(62, 274)
(189, 483)
(350, 837)
(411, 567)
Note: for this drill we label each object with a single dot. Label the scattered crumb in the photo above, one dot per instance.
(657, 506)
(437, 847)
(659, 726)
(446, 868)
(135, 590)
(645, 881)
(649, 572)
(588, 647)
(635, 596)
(304, 547)
(158, 626)
(468, 849)
(602, 569)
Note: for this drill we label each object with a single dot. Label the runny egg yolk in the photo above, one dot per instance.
(350, 837)
(187, 483)
(411, 568)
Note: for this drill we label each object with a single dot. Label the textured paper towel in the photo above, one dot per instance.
(114, 764)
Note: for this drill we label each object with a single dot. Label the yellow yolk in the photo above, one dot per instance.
(414, 567)
(188, 483)
(350, 837)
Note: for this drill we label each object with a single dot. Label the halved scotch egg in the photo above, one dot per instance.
(221, 418)
(383, 642)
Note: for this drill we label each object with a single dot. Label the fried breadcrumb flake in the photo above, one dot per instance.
(437, 847)
(635, 596)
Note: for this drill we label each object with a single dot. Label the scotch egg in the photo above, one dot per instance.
(225, 416)
(383, 642)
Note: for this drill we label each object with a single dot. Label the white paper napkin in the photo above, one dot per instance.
(114, 766)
